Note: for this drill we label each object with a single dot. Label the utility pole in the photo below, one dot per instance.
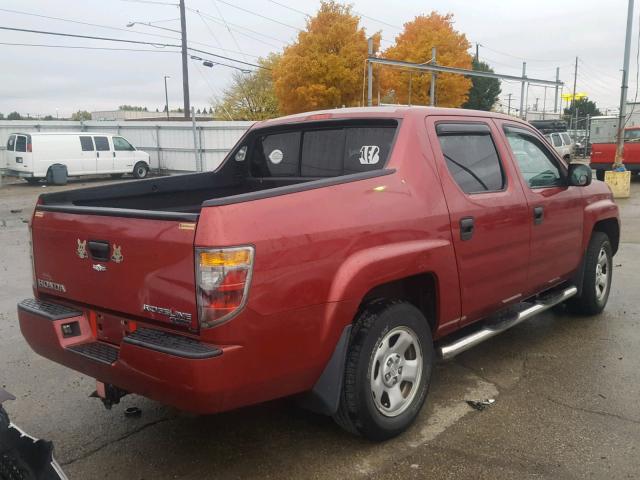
(536, 107)
(166, 95)
(185, 67)
(573, 101)
(409, 101)
(555, 102)
(544, 102)
(432, 92)
(524, 74)
(477, 52)
(618, 162)
(370, 73)
(509, 105)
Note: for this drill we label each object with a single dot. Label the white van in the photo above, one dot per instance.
(31, 155)
(562, 143)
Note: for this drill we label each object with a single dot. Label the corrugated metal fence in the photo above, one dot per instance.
(170, 144)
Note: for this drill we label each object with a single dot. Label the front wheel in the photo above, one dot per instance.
(388, 370)
(140, 170)
(596, 280)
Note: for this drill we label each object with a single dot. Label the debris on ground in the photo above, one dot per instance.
(132, 412)
(17, 210)
(481, 404)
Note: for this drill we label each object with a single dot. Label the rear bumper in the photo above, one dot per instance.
(169, 368)
(9, 172)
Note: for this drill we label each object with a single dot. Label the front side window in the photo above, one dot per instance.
(120, 144)
(86, 143)
(102, 144)
(472, 160)
(535, 162)
(21, 143)
(11, 143)
(566, 138)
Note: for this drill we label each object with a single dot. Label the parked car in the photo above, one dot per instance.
(333, 255)
(603, 154)
(562, 143)
(35, 156)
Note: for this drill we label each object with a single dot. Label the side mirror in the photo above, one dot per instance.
(579, 175)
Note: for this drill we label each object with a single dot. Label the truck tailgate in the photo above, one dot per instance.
(134, 266)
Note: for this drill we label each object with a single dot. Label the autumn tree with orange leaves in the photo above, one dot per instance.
(324, 67)
(414, 45)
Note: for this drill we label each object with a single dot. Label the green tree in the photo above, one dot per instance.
(251, 95)
(484, 92)
(81, 115)
(1, 116)
(585, 107)
(14, 116)
(48, 117)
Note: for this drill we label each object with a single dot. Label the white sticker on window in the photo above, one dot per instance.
(276, 156)
(369, 154)
(242, 154)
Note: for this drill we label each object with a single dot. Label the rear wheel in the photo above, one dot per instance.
(32, 180)
(596, 280)
(388, 370)
(600, 175)
(140, 170)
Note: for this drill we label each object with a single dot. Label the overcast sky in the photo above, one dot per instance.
(41, 80)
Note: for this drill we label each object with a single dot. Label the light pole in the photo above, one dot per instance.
(166, 95)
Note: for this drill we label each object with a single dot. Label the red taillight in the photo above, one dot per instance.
(29, 147)
(223, 277)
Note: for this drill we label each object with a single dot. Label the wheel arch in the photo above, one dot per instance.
(611, 228)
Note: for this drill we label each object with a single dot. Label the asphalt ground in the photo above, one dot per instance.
(566, 390)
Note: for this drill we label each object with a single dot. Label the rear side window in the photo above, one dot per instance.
(102, 143)
(326, 152)
(557, 141)
(86, 143)
(322, 153)
(566, 138)
(21, 143)
(11, 143)
(471, 158)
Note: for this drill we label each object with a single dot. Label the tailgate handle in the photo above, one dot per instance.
(99, 250)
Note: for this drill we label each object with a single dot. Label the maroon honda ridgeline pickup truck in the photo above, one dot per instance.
(333, 256)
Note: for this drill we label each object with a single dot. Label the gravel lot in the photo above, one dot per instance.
(566, 391)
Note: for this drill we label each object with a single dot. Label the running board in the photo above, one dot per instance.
(448, 351)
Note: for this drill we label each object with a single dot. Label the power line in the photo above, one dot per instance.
(88, 48)
(378, 21)
(240, 27)
(290, 8)
(138, 42)
(215, 4)
(151, 2)
(260, 15)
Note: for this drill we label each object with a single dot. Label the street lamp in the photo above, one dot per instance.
(166, 95)
(149, 24)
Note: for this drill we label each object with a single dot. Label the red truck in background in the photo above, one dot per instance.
(603, 154)
(333, 255)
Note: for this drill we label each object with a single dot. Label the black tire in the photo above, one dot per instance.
(600, 175)
(116, 175)
(32, 180)
(591, 301)
(358, 412)
(140, 170)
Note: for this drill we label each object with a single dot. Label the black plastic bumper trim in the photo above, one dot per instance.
(49, 310)
(98, 351)
(177, 345)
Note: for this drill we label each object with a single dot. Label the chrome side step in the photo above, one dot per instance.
(458, 346)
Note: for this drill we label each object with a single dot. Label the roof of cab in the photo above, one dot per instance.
(393, 111)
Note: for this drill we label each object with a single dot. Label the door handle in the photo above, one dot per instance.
(114, 154)
(467, 226)
(538, 215)
(97, 154)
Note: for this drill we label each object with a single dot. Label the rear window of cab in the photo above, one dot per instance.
(318, 151)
